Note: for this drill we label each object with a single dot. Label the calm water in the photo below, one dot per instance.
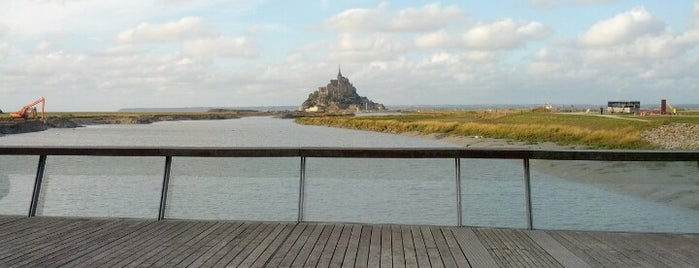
(417, 191)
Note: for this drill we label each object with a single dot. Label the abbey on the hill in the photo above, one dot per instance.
(339, 95)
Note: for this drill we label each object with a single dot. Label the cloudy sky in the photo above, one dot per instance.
(86, 55)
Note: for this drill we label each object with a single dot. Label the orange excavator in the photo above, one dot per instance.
(30, 109)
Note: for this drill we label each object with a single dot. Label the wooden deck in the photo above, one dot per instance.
(53, 242)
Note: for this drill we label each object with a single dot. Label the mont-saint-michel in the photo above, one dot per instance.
(339, 95)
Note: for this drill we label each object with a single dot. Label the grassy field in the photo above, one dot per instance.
(590, 130)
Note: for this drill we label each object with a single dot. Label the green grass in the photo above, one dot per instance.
(521, 125)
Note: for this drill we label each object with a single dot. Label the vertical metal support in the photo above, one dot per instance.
(459, 217)
(302, 187)
(528, 194)
(37, 185)
(166, 183)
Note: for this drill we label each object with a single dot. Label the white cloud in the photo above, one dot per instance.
(564, 3)
(237, 47)
(503, 34)
(623, 28)
(350, 48)
(36, 18)
(439, 39)
(183, 29)
(43, 46)
(358, 19)
(426, 18)
(4, 50)
(635, 36)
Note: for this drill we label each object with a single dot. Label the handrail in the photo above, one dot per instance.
(447, 152)
(333, 152)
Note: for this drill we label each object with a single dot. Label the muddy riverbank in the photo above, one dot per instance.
(67, 120)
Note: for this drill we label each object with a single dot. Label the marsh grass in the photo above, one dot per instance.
(527, 126)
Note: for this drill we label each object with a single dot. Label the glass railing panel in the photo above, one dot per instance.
(492, 192)
(616, 196)
(97, 186)
(17, 173)
(409, 191)
(234, 188)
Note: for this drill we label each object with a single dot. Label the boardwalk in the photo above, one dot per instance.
(50, 242)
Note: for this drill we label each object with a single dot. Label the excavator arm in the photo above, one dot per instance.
(29, 109)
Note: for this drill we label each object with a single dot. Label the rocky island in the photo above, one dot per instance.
(337, 96)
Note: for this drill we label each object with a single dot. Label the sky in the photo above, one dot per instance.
(86, 55)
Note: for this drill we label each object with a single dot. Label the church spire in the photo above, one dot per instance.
(339, 72)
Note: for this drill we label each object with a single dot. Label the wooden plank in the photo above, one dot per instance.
(374, 258)
(633, 252)
(90, 259)
(162, 250)
(181, 251)
(397, 250)
(68, 241)
(491, 245)
(315, 254)
(444, 252)
(509, 248)
(526, 250)
(33, 237)
(246, 246)
(85, 249)
(303, 255)
(16, 228)
(408, 247)
(330, 247)
(139, 253)
(8, 219)
(676, 250)
(253, 252)
(386, 254)
(119, 242)
(582, 251)
(454, 248)
(205, 246)
(276, 245)
(423, 259)
(475, 252)
(218, 244)
(555, 249)
(431, 247)
(362, 259)
(135, 247)
(342, 246)
(352, 252)
(293, 252)
(290, 244)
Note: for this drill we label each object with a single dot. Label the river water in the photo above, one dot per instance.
(412, 191)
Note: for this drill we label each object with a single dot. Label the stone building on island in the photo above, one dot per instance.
(339, 95)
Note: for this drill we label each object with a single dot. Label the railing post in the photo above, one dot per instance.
(459, 217)
(37, 185)
(302, 188)
(528, 194)
(166, 183)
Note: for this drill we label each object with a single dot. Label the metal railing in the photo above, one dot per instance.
(445, 153)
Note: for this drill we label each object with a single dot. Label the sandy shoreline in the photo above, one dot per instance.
(674, 183)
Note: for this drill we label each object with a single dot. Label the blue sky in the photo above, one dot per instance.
(104, 55)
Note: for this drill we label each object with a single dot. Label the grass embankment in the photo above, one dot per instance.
(528, 126)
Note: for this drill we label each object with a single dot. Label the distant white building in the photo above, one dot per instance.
(627, 107)
(313, 109)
